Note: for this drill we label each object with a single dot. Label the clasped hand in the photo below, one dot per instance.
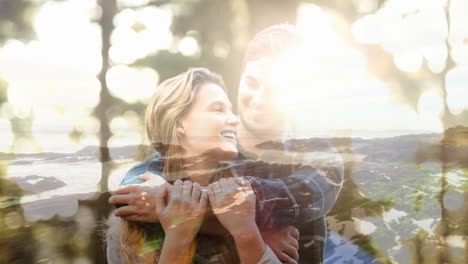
(185, 209)
(232, 201)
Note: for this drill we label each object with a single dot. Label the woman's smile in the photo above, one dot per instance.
(210, 125)
(230, 136)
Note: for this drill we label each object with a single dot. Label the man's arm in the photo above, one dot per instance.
(139, 211)
(153, 164)
(286, 197)
(298, 193)
(137, 202)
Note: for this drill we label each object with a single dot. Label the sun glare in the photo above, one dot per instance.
(457, 91)
(328, 80)
(131, 84)
(188, 46)
(139, 33)
(54, 77)
(7, 136)
(430, 104)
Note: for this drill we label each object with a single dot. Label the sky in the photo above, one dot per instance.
(55, 75)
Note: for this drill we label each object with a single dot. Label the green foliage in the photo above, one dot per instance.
(13, 232)
(169, 64)
(3, 91)
(212, 22)
(16, 19)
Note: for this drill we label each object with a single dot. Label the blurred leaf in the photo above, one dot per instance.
(3, 91)
(16, 19)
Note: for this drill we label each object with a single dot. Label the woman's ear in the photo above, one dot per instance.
(180, 128)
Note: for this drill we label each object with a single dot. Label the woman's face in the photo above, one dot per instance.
(210, 127)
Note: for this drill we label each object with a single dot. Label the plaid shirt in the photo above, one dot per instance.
(295, 183)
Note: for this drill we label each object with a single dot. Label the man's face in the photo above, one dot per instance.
(259, 112)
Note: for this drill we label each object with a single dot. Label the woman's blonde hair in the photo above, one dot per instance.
(172, 99)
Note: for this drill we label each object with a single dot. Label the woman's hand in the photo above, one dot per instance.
(181, 219)
(185, 210)
(233, 204)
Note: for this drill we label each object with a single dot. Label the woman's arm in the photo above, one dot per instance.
(249, 243)
(181, 219)
(177, 249)
(144, 210)
(234, 206)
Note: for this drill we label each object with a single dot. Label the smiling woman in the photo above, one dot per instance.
(189, 121)
(187, 118)
(204, 128)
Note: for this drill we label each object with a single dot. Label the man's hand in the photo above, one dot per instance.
(139, 200)
(151, 179)
(283, 242)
